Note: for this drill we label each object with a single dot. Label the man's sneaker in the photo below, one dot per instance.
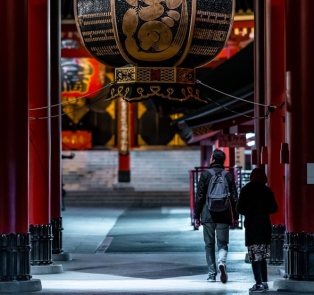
(223, 273)
(265, 286)
(211, 278)
(257, 289)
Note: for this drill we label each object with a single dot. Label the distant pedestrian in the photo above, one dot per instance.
(215, 209)
(256, 203)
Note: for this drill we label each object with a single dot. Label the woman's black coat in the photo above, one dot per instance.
(256, 203)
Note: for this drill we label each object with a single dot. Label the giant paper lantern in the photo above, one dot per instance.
(155, 45)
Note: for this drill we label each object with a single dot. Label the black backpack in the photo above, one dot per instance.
(217, 198)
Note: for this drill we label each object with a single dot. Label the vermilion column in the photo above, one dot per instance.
(56, 169)
(299, 184)
(299, 115)
(14, 118)
(124, 173)
(15, 273)
(39, 96)
(259, 82)
(275, 95)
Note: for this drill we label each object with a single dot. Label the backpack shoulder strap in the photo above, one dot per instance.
(212, 172)
(224, 173)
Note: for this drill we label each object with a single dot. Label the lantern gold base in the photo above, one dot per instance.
(155, 75)
(134, 83)
(138, 91)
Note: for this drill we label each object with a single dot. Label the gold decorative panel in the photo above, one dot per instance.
(155, 75)
(202, 130)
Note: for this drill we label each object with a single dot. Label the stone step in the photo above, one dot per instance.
(149, 170)
(122, 198)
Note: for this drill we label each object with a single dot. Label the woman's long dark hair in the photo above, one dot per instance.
(258, 175)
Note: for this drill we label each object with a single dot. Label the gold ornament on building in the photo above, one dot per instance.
(74, 108)
(163, 41)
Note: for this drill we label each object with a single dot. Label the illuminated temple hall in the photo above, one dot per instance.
(111, 111)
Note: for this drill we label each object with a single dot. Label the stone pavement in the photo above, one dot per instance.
(142, 251)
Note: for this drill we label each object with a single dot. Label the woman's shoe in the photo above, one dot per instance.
(265, 286)
(257, 288)
(211, 278)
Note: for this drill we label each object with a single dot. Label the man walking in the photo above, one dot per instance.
(214, 217)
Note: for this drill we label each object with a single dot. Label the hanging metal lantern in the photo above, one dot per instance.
(155, 44)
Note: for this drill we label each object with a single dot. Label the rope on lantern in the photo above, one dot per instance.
(241, 114)
(271, 108)
(76, 99)
(49, 117)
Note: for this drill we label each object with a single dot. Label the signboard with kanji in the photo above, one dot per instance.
(232, 140)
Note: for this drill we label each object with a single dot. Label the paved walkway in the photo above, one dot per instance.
(141, 251)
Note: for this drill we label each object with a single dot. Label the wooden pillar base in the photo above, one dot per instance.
(41, 240)
(14, 257)
(276, 245)
(299, 256)
(57, 229)
(124, 176)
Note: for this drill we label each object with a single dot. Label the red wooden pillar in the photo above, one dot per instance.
(299, 115)
(124, 173)
(14, 118)
(259, 83)
(56, 169)
(39, 155)
(299, 188)
(275, 95)
(14, 237)
(39, 96)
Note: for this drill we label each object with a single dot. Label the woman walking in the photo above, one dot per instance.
(256, 203)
